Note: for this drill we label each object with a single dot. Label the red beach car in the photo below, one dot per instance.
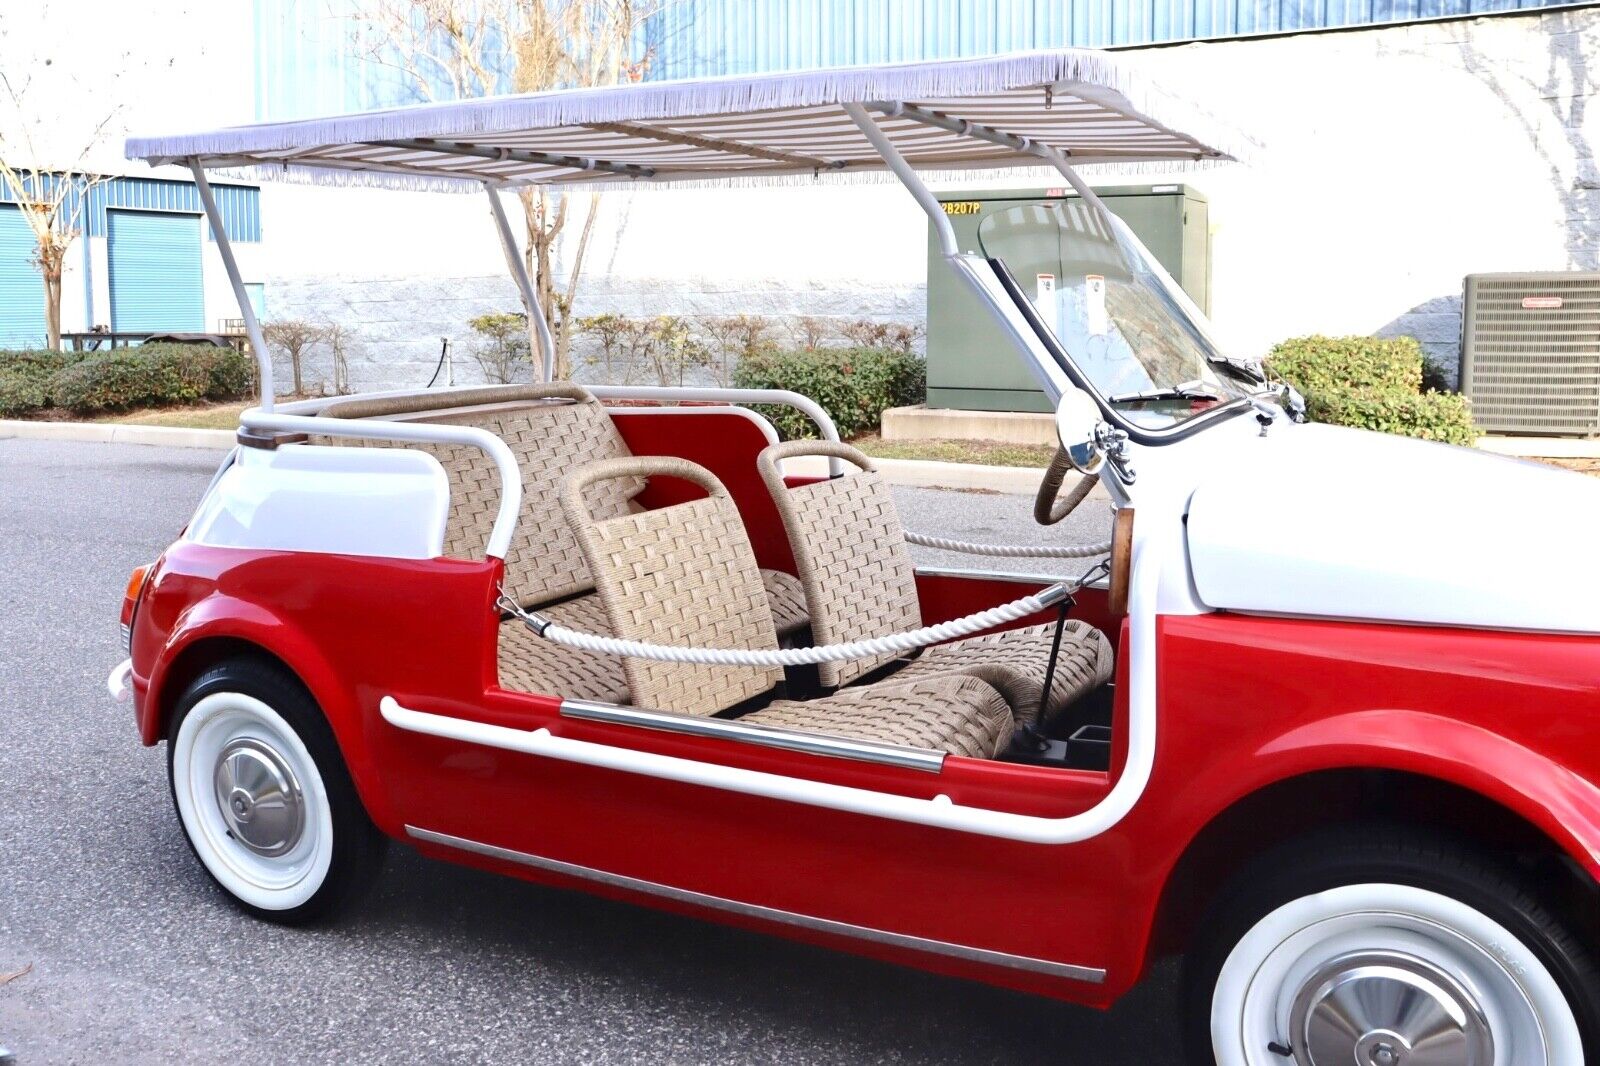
(1284, 724)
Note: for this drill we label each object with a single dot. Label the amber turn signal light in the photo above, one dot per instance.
(130, 602)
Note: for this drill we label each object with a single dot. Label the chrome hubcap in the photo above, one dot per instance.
(259, 797)
(1387, 1008)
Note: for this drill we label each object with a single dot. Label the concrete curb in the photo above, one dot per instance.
(1542, 447)
(920, 473)
(117, 433)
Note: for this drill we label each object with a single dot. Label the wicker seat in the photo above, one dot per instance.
(859, 582)
(550, 429)
(685, 575)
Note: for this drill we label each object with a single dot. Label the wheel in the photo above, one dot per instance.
(264, 796)
(1385, 948)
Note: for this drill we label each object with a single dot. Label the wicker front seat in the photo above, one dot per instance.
(855, 568)
(686, 576)
(551, 429)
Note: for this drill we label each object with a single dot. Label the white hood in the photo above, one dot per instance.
(1340, 523)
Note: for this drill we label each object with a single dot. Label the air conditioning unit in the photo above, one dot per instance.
(1530, 352)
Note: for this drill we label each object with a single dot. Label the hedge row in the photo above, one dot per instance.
(151, 375)
(854, 385)
(1372, 383)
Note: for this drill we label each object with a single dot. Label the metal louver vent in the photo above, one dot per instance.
(1530, 354)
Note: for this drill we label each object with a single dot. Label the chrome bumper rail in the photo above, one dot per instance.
(759, 735)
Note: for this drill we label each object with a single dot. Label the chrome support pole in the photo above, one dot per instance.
(247, 311)
(519, 273)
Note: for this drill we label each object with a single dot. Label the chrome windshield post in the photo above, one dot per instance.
(519, 274)
(247, 310)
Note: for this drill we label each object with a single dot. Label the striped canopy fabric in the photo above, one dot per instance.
(949, 115)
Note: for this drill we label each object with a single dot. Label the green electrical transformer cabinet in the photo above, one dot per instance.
(971, 366)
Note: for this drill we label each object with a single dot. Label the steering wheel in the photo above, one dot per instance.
(1048, 507)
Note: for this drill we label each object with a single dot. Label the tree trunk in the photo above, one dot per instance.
(52, 312)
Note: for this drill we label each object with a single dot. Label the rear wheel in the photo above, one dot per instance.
(1384, 948)
(264, 797)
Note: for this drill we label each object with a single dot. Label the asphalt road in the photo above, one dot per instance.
(136, 957)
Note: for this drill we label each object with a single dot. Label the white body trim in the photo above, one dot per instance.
(379, 502)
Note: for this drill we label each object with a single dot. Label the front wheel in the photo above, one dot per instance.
(1387, 949)
(264, 796)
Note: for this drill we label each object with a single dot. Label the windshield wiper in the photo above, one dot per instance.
(1175, 392)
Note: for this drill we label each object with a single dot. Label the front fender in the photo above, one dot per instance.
(222, 616)
(1560, 802)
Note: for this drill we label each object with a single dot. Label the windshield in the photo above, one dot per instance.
(1111, 313)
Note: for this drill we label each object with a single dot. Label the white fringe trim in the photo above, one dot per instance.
(1114, 79)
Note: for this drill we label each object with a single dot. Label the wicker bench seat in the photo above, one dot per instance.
(551, 429)
(686, 576)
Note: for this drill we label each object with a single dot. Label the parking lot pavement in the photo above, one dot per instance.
(136, 957)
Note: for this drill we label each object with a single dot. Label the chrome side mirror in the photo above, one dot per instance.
(1080, 430)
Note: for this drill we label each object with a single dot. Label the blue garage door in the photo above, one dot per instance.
(155, 272)
(21, 287)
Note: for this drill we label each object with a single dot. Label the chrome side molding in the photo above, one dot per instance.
(1071, 971)
(759, 735)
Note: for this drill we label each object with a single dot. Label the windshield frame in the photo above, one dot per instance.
(1140, 434)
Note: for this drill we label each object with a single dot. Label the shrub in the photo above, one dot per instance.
(1440, 416)
(854, 385)
(25, 377)
(1373, 383)
(152, 375)
(1320, 364)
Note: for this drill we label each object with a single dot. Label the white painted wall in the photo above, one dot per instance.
(1395, 161)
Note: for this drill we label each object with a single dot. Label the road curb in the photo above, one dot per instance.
(117, 433)
(917, 473)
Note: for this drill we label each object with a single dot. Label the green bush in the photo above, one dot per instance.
(1321, 364)
(1440, 416)
(25, 379)
(854, 385)
(1373, 383)
(152, 375)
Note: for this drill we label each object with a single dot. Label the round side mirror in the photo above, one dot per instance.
(1078, 425)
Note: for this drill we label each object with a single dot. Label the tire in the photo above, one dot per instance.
(1381, 945)
(264, 798)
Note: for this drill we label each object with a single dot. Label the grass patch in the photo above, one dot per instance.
(981, 452)
(211, 416)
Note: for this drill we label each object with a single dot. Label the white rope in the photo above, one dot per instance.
(1010, 551)
(895, 643)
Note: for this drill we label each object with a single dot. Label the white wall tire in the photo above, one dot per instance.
(264, 798)
(1383, 949)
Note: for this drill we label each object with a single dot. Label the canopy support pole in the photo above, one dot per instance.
(247, 310)
(519, 272)
(908, 177)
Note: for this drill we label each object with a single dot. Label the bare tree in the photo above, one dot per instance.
(453, 49)
(295, 338)
(44, 161)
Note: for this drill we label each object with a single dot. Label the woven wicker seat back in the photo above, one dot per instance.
(681, 575)
(850, 552)
(551, 429)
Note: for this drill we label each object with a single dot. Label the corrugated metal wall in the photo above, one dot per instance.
(240, 204)
(694, 38)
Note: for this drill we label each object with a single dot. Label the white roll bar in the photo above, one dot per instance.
(505, 518)
(247, 310)
(940, 811)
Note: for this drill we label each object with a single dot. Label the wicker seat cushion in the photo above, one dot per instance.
(855, 568)
(529, 664)
(1015, 662)
(953, 713)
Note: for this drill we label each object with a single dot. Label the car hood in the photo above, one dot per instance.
(1339, 523)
